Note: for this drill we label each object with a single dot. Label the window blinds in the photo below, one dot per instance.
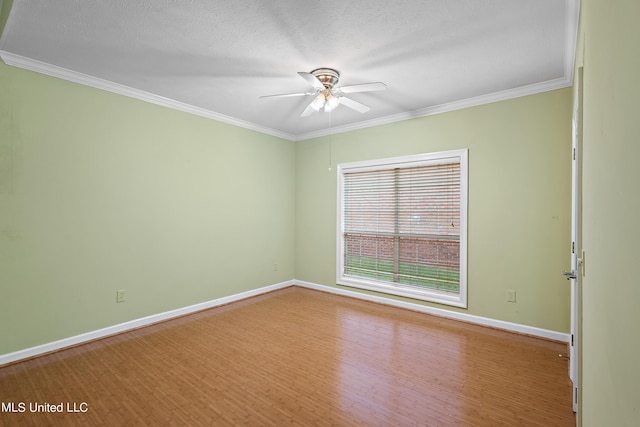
(402, 225)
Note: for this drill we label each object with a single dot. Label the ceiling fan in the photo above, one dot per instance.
(327, 95)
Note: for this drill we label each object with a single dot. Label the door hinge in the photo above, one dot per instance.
(571, 339)
(574, 154)
(573, 247)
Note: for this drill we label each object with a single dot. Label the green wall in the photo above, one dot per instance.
(5, 7)
(611, 207)
(100, 192)
(519, 200)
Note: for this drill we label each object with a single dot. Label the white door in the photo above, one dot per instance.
(577, 255)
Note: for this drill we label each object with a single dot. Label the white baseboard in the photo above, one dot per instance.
(145, 321)
(133, 324)
(484, 321)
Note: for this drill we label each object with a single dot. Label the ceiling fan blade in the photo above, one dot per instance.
(287, 95)
(308, 111)
(354, 105)
(364, 87)
(312, 80)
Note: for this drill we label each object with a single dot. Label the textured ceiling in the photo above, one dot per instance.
(216, 58)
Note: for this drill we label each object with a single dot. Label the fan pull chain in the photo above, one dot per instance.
(330, 141)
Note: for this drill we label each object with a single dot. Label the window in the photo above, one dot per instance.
(402, 226)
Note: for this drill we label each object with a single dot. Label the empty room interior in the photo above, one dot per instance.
(342, 213)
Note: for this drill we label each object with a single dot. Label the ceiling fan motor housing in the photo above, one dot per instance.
(327, 76)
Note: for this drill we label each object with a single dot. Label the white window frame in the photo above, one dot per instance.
(441, 297)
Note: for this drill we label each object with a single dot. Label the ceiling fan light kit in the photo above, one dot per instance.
(328, 96)
(318, 102)
(325, 100)
(331, 103)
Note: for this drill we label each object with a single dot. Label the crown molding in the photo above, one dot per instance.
(95, 82)
(571, 38)
(447, 107)
(573, 13)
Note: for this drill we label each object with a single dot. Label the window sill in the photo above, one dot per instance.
(455, 300)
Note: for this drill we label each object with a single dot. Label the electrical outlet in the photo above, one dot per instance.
(120, 296)
(511, 295)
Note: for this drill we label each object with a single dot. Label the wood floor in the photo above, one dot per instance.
(296, 357)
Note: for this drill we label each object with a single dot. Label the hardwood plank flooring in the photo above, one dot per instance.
(297, 357)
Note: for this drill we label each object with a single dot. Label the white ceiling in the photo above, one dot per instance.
(215, 58)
